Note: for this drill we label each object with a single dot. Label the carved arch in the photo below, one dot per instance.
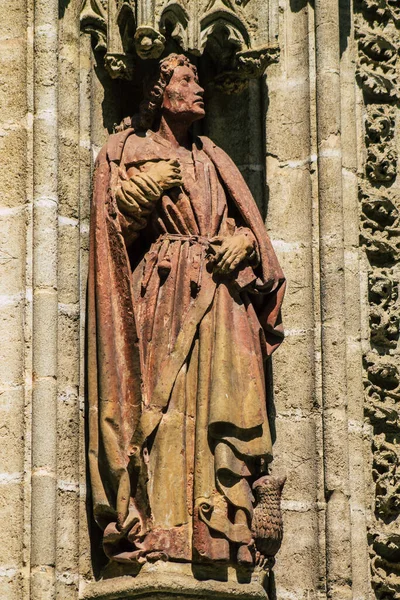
(94, 22)
(222, 35)
(220, 20)
(175, 24)
(126, 22)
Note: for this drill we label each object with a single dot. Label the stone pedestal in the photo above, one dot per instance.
(163, 581)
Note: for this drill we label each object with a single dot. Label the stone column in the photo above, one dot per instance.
(289, 221)
(14, 297)
(332, 286)
(350, 145)
(68, 306)
(85, 172)
(44, 402)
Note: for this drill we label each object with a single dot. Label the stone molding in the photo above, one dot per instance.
(164, 581)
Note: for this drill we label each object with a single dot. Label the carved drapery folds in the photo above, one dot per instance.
(377, 24)
(229, 34)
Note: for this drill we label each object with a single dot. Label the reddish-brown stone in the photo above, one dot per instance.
(183, 310)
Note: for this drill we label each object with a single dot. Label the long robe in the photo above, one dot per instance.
(178, 428)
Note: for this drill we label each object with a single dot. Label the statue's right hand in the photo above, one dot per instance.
(166, 173)
(137, 196)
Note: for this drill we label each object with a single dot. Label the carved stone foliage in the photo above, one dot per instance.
(381, 10)
(385, 561)
(118, 67)
(377, 63)
(382, 156)
(386, 472)
(378, 67)
(378, 45)
(229, 33)
(380, 232)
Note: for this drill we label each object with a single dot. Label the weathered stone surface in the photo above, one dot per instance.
(57, 106)
(377, 70)
(161, 581)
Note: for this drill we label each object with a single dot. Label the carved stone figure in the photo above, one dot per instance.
(184, 305)
(267, 523)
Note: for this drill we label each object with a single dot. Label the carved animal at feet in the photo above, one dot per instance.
(267, 526)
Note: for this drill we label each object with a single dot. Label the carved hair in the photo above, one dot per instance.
(150, 107)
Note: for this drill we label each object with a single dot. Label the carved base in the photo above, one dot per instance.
(167, 581)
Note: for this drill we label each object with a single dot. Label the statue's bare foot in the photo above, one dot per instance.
(155, 556)
(245, 557)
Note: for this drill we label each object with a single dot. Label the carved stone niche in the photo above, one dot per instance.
(231, 36)
(179, 445)
(231, 42)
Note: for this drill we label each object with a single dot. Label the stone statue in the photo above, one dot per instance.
(184, 305)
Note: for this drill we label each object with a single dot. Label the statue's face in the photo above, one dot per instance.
(183, 96)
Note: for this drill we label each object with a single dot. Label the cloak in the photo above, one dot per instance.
(118, 421)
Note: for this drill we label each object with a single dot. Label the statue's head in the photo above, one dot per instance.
(174, 92)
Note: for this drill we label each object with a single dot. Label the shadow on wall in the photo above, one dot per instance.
(235, 122)
(345, 13)
(115, 94)
(296, 5)
(62, 6)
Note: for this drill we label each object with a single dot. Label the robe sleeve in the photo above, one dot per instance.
(136, 198)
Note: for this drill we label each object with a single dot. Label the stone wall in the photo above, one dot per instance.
(318, 151)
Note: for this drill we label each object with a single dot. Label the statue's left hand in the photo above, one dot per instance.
(230, 252)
